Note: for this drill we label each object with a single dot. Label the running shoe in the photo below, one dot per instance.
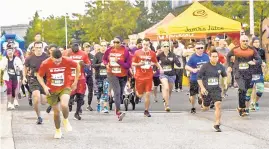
(98, 108)
(155, 100)
(58, 134)
(67, 125)
(89, 108)
(146, 113)
(16, 103)
(39, 121)
(247, 112)
(241, 112)
(167, 109)
(216, 128)
(257, 107)
(77, 117)
(48, 109)
(252, 107)
(10, 106)
(24, 95)
(193, 110)
(120, 115)
(105, 110)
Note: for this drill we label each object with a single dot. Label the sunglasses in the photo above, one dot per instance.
(166, 46)
(117, 42)
(244, 40)
(200, 48)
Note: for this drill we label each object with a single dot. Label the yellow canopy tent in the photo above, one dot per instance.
(199, 19)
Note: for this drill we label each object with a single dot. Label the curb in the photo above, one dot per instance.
(7, 141)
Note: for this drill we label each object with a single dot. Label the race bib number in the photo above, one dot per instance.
(113, 61)
(146, 64)
(73, 74)
(57, 79)
(170, 58)
(256, 77)
(243, 66)
(11, 71)
(213, 81)
(167, 68)
(103, 72)
(116, 70)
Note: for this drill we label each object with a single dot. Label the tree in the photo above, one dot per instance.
(143, 22)
(108, 19)
(35, 27)
(159, 10)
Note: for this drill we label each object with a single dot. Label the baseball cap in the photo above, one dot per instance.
(86, 44)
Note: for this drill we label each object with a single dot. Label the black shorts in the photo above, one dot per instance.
(194, 88)
(35, 85)
(213, 95)
(156, 81)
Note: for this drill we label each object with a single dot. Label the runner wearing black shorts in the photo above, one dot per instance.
(209, 82)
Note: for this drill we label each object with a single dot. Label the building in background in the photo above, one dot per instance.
(19, 29)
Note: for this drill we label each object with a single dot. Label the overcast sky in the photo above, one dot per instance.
(14, 12)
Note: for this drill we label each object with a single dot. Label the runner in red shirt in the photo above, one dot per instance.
(57, 70)
(143, 60)
(81, 57)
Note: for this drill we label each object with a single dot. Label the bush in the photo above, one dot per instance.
(266, 73)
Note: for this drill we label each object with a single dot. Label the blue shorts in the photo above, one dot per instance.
(171, 79)
(258, 78)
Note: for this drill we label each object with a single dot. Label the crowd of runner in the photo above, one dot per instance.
(60, 77)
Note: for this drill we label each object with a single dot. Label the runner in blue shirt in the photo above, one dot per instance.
(194, 64)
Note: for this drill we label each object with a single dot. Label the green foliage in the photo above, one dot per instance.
(239, 10)
(266, 73)
(109, 19)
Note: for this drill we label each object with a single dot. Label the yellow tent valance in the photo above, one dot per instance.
(199, 19)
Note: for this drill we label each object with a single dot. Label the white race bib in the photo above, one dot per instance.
(73, 73)
(146, 65)
(113, 61)
(256, 77)
(243, 66)
(57, 79)
(213, 81)
(103, 72)
(11, 71)
(116, 70)
(167, 68)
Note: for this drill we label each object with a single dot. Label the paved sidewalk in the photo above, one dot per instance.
(163, 130)
(6, 141)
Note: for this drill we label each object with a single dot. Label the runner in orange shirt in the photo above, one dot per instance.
(57, 70)
(82, 58)
(143, 60)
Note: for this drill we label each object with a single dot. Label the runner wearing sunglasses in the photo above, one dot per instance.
(193, 65)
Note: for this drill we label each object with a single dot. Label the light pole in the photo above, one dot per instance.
(42, 27)
(65, 30)
(251, 17)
